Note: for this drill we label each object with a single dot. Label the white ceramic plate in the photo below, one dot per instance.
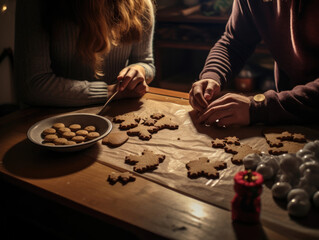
(103, 126)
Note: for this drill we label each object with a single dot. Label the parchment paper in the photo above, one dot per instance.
(189, 142)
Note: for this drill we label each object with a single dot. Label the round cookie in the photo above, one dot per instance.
(50, 137)
(115, 139)
(70, 143)
(92, 135)
(58, 125)
(90, 128)
(83, 133)
(78, 139)
(68, 135)
(49, 143)
(60, 141)
(75, 127)
(48, 131)
(63, 130)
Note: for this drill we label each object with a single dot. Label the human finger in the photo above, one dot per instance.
(141, 88)
(212, 114)
(125, 76)
(227, 98)
(228, 121)
(136, 80)
(193, 102)
(211, 90)
(198, 96)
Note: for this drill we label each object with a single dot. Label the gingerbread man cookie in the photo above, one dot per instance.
(283, 141)
(166, 122)
(127, 121)
(285, 136)
(298, 137)
(149, 121)
(123, 177)
(204, 167)
(218, 143)
(147, 161)
(157, 115)
(287, 147)
(142, 131)
(232, 140)
(239, 152)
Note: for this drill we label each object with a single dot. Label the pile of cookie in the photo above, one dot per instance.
(59, 134)
(232, 145)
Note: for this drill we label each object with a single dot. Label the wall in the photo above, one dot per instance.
(7, 20)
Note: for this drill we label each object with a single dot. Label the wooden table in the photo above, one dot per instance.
(71, 191)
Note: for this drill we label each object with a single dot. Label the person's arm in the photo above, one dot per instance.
(142, 52)
(299, 105)
(227, 56)
(37, 83)
(238, 42)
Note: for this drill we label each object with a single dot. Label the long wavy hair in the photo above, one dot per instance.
(107, 23)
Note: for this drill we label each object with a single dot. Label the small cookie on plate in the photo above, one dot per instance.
(90, 128)
(68, 135)
(63, 130)
(81, 132)
(78, 139)
(70, 142)
(60, 141)
(48, 131)
(58, 125)
(75, 127)
(115, 139)
(50, 137)
(92, 135)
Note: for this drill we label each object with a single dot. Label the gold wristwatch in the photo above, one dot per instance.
(259, 98)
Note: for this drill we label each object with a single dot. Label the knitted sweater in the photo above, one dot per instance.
(49, 72)
(289, 28)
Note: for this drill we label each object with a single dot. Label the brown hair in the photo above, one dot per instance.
(104, 23)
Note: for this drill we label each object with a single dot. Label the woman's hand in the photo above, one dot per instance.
(229, 110)
(133, 83)
(202, 92)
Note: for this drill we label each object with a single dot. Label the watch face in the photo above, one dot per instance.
(259, 98)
